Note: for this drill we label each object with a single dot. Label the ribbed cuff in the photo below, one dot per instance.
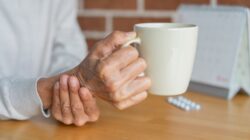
(45, 112)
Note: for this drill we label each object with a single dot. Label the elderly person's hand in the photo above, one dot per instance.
(72, 104)
(111, 72)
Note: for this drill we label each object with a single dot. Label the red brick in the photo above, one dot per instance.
(91, 42)
(126, 24)
(170, 4)
(235, 2)
(92, 23)
(110, 4)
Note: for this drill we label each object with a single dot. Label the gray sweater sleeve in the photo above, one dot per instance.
(19, 98)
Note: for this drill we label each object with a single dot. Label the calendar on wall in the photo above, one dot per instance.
(222, 62)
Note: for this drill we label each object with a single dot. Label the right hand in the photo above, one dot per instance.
(111, 72)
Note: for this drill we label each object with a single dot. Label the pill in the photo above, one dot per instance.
(184, 103)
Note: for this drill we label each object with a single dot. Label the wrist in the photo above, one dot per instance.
(79, 76)
(45, 92)
(45, 85)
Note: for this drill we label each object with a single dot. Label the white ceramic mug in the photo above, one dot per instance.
(169, 50)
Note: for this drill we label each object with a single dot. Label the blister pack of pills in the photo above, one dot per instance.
(183, 103)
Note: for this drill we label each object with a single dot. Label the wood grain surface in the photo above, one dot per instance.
(153, 119)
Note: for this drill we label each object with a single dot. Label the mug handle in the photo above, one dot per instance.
(136, 40)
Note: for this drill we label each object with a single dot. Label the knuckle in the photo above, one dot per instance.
(86, 96)
(123, 94)
(145, 95)
(93, 113)
(95, 116)
(63, 78)
(132, 51)
(142, 62)
(67, 121)
(112, 87)
(66, 108)
(80, 122)
(116, 34)
(76, 108)
(56, 115)
(73, 87)
(116, 97)
(56, 87)
(63, 87)
(119, 106)
(56, 106)
(140, 97)
(148, 82)
(103, 68)
(99, 43)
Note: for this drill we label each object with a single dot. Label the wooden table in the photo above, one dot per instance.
(154, 119)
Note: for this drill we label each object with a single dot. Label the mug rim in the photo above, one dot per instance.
(164, 25)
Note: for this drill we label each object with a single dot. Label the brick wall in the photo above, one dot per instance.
(98, 18)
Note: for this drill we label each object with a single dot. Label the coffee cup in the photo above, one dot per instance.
(169, 50)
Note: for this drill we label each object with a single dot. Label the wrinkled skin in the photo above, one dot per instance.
(73, 104)
(111, 72)
(108, 72)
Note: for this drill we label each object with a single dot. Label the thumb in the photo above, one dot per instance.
(118, 38)
(113, 42)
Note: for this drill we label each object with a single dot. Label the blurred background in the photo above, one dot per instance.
(99, 17)
(214, 68)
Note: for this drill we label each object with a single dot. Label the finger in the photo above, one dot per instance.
(114, 82)
(89, 103)
(56, 107)
(132, 71)
(80, 118)
(131, 101)
(112, 42)
(122, 57)
(134, 87)
(65, 101)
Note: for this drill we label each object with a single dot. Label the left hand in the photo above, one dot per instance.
(72, 104)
